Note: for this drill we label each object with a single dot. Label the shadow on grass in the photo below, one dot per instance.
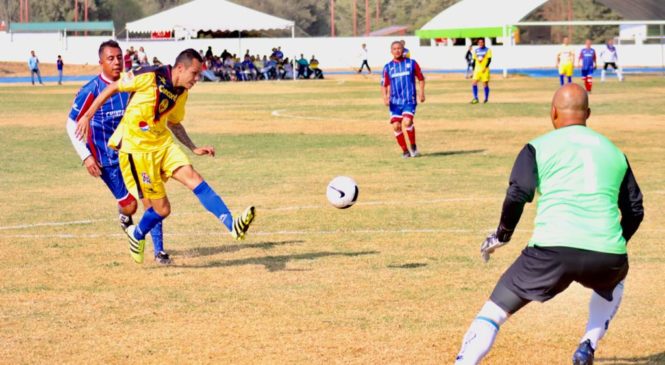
(646, 360)
(276, 263)
(413, 265)
(451, 153)
(213, 250)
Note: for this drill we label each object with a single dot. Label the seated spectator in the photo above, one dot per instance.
(303, 67)
(314, 66)
(156, 62)
(225, 55)
(206, 73)
(258, 67)
(287, 69)
(127, 58)
(269, 69)
(248, 69)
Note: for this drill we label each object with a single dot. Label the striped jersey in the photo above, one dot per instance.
(482, 57)
(104, 122)
(401, 76)
(588, 57)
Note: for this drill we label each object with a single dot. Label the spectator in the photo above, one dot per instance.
(225, 55)
(314, 66)
(128, 60)
(60, 66)
(365, 56)
(269, 69)
(142, 57)
(469, 62)
(258, 67)
(279, 54)
(303, 67)
(209, 54)
(33, 64)
(156, 62)
(248, 69)
(287, 69)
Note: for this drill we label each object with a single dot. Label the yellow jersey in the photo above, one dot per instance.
(154, 101)
(566, 55)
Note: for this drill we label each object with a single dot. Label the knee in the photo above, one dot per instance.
(162, 209)
(397, 127)
(494, 313)
(128, 207)
(408, 122)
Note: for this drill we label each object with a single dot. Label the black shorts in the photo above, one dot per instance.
(540, 273)
(613, 64)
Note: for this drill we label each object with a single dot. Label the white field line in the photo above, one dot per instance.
(280, 113)
(260, 233)
(279, 209)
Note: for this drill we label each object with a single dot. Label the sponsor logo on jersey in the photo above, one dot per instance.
(114, 114)
(168, 93)
(144, 126)
(400, 74)
(146, 178)
(163, 106)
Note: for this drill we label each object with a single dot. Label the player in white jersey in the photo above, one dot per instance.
(610, 58)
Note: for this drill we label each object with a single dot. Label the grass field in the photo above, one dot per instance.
(394, 280)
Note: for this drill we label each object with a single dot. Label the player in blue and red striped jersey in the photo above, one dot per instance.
(398, 88)
(99, 159)
(587, 62)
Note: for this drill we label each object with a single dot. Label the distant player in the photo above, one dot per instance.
(565, 61)
(589, 206)
(398, 88)
(406, 53)
(99, 159)
(610, 58)
(482, 57)
(364, 54)
(148, 155)
(587, 63)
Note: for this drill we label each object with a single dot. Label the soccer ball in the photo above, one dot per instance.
(342, 192)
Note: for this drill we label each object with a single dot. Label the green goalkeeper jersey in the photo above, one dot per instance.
(579, 177)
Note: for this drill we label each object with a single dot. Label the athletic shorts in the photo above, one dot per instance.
(398, 112)
(112, 177)
(566, 69)
(587, 72)
(613, 64)
(146, 172)
(540, 273)
(481, 76)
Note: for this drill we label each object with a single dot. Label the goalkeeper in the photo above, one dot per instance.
(589, 206)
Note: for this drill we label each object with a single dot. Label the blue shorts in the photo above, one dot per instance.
(398, 112)
(587, 71)
(112, 177)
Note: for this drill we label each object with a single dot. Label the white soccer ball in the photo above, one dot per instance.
(342, 192)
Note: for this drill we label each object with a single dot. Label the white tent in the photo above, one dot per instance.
(209, 15)
(478, 18)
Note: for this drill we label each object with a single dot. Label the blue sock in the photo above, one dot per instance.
(157, 238)
(487, 92)
(475, 91)
(561, 79)
(149, 220)
(214, 204)
(570, 79)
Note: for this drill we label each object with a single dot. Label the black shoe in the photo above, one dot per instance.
(125, 221)
(584, 354)
(163, 258)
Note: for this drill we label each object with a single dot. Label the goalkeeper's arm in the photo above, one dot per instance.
(521, 189)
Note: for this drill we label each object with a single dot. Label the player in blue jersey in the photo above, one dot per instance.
(587, 63)
(99, 159)
(398, 88)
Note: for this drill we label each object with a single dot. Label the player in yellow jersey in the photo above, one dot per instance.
(565, 59)
(482, 57)
(148, 156)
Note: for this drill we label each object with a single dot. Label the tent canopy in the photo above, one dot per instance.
(208, 15)
(478, 18)
(61, 26)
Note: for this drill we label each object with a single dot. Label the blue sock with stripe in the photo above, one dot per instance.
(149, 220)
(475, 91)
(561, 79)
(157, 238)
(214, 204)
(570, 79)
(487, 92)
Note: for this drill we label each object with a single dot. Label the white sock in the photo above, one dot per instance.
(619, 76)
(601, 313)
(480, 336)
(602, 75)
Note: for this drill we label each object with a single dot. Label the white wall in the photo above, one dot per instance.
(338, 53)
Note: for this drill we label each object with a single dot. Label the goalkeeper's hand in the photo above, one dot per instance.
(490, 244)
